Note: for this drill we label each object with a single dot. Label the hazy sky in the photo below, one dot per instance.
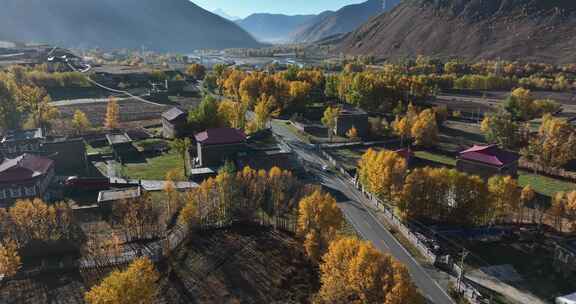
(243, 8)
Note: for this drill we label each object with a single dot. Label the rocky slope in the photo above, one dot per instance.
(167, 25)
(527, 30)
(342, 21)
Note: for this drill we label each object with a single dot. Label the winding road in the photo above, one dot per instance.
(358, 213)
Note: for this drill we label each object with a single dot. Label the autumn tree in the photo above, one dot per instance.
(425, 129)
(505, 196)
(382, 173)
(172, 195)
(329, 119)
(319, 219)
(80, 122)
(197, 71)
(555, 144)
(300, 94)
(564, 207)
(264, 110)
(10, 109)
(139, 217)
(112, 114)
(182, 146)
(499, 128)
(403, 126)
(38, 104)
(527, 196)
(10, 261)
(232, 114)
(354, 271)
(137, 284)
(445, 195)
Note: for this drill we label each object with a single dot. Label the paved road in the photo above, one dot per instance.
(353, 205)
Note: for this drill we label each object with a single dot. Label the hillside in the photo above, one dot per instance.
(168, 25)
(528, 30)
(344, 20)
(272, 27)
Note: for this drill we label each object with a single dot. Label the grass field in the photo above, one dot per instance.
(154, 168)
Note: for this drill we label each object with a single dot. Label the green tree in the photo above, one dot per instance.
(329, 119)
(499, 128)
(206, 115)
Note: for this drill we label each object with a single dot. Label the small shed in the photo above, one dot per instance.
(174, 122)
(122, 146)
(107, 198)
(215, 146)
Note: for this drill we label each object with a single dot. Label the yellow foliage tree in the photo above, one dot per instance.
(329, 119)
(112, 114)
(555, 144)
(505, 196)
(197, 71)
(80, 122)
(10, 261)
(382, 173)
(264, 110)
(137, 284)
(354, 271)
(319, 219)
(425, 129)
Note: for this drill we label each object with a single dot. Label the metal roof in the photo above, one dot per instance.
(221, 136)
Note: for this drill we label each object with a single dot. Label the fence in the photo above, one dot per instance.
(465, 288)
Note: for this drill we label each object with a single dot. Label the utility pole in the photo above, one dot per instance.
(465, 253)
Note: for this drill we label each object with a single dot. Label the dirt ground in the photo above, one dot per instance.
(237, 265)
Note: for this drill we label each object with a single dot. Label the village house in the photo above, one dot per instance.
(122, 147)
(174, 123)
(23, 177)
(487, 161)
(18, 142)
(351, 118)
(215, 146)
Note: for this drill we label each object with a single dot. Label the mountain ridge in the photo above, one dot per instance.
(270, 27)
(532, 30)
(346, 19)
(168, 25)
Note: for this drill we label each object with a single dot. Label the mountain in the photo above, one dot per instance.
(527, 30)
(167, 25)
(220, 12)
(344, 20)
(273, 27)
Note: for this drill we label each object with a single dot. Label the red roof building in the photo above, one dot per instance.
(26, 176)
(487, 161)
(221, 136)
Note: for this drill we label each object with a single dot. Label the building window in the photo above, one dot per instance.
(30, 191)
(2, 194)
(15, 192)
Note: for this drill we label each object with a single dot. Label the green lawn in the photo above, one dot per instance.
(437, 158)
(541, 184)
(154, 168)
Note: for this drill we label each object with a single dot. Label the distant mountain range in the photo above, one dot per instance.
(526, 30)
(167, 25)
(279, 28)
(275, 28)
(341, 21)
